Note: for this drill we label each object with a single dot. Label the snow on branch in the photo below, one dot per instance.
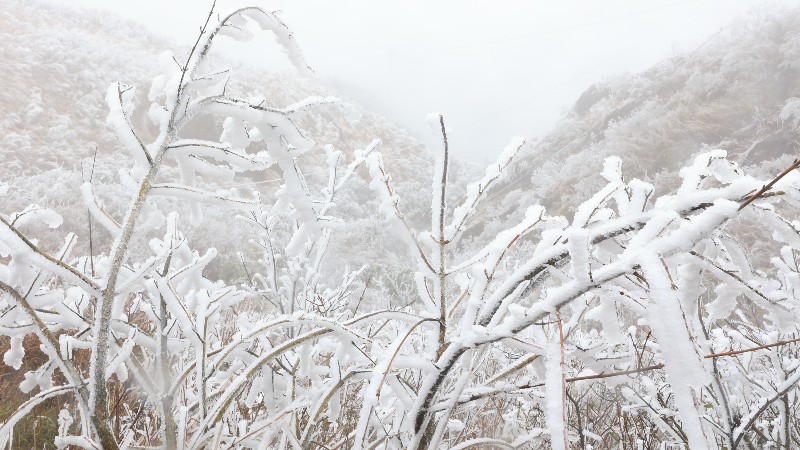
(97, 211)
(476, 191)
(19, 245)
(236, 158)
(118, 120)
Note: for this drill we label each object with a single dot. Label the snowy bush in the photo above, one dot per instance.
(642, 302)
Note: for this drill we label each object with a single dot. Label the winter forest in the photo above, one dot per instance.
(196, 255)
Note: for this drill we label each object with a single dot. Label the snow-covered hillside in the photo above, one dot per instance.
(727, 93)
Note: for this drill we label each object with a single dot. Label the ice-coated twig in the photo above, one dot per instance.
(390, 204)
(18, 243)
(477, 190)
(97, 212)
(119, 121)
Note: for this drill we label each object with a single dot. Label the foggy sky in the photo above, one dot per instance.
(495, 68)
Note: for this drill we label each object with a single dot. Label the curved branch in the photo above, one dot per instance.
(26, 408)
(22, 244)
(484, 442)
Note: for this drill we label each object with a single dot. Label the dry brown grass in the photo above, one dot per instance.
(38, 429)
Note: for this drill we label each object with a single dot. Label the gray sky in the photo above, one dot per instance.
(495, 68)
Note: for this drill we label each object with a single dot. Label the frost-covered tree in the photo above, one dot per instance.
(197, 351)
(542, 305)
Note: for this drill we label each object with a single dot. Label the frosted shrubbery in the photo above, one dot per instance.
(636, 320)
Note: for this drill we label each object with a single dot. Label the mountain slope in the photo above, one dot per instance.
(728, 93)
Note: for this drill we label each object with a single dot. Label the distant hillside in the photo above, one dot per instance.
(728, 93)
(58, 63)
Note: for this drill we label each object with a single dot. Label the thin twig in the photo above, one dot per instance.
(89, 217)
(769, 185)
(614, 374)
(442, 242)
(747, 350)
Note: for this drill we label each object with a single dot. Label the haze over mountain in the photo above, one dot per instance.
(728, 93)
(735, 92)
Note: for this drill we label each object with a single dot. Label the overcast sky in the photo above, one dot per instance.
(495, 68)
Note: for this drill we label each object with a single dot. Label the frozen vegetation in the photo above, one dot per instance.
(258, 265)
